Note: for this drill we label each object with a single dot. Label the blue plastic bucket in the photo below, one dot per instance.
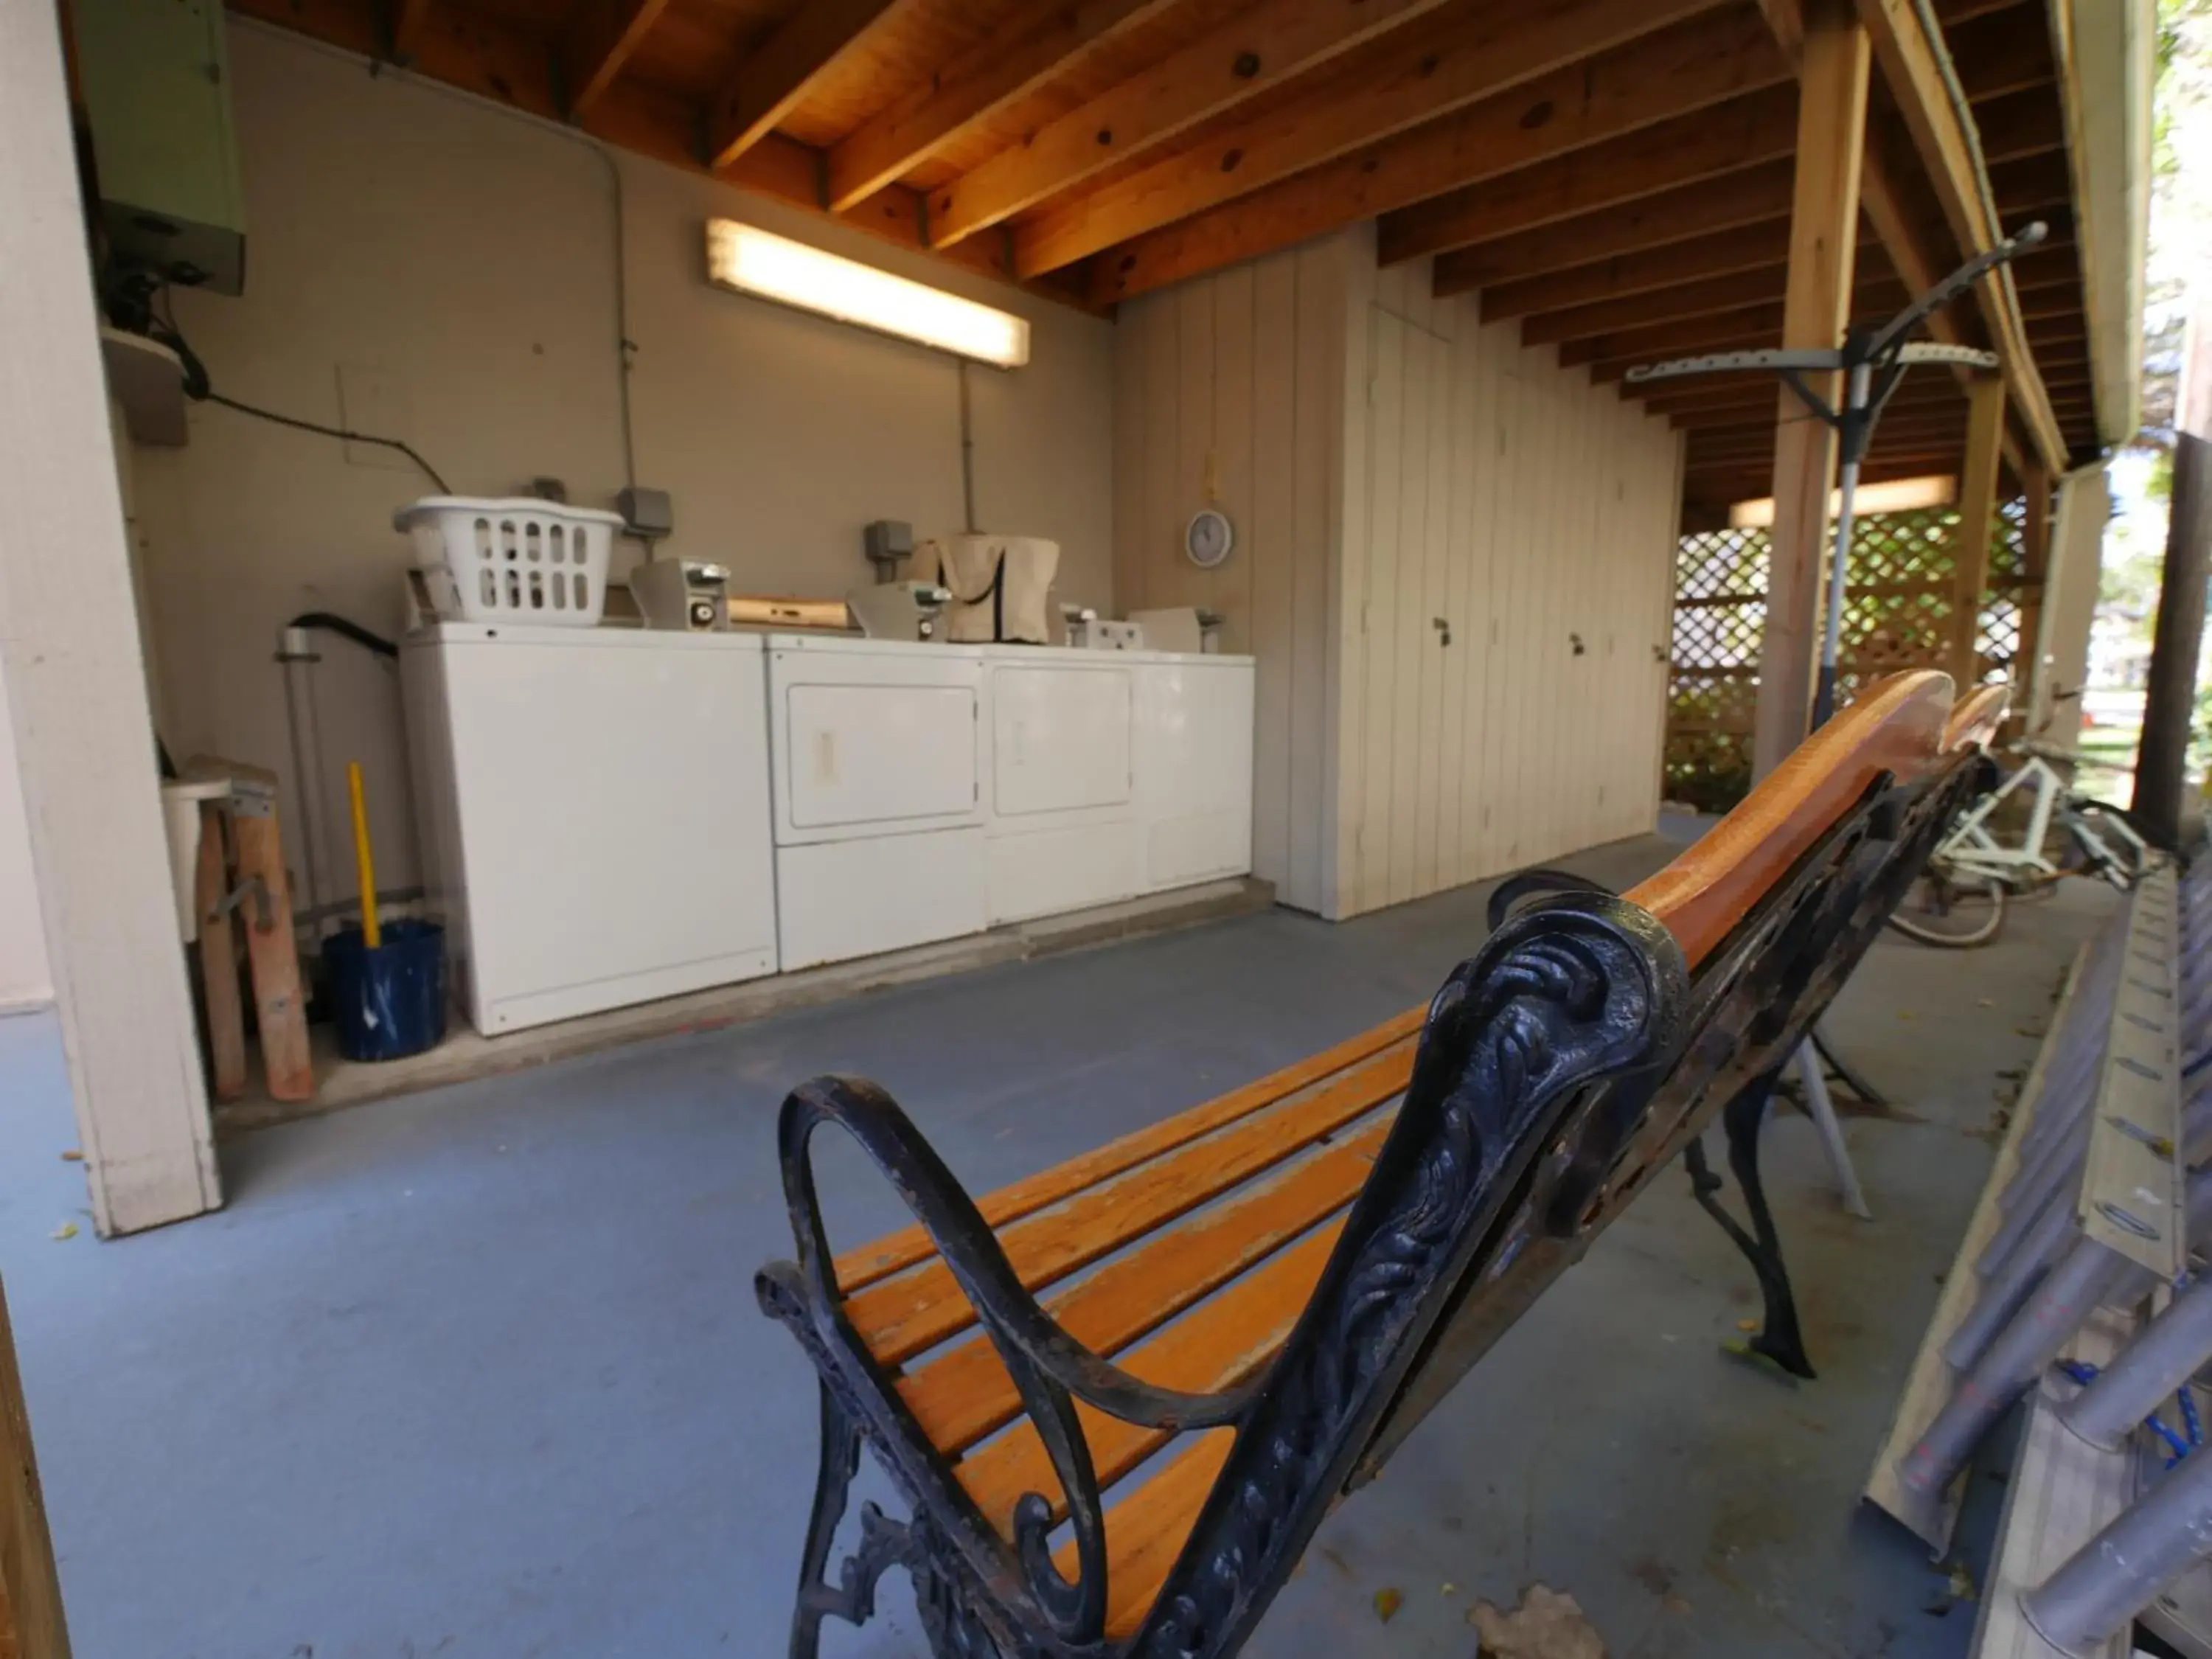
(389, 1002)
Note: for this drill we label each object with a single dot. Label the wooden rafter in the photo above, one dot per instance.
(2048, 289)
(1676, 214)
(977, 84)
(410, 22)
(1720, 330)
(1625, 276)
(1611, 135)
(601, 39)
(777, 74)
(1910, 66)
(1705, 143)
(1257, 49)
(1687, 302)
(1421, 75)
(1996, 55)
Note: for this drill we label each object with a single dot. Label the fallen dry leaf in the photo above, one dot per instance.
(1387, 1603)
(1547, 1624)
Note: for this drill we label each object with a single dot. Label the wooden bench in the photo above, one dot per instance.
(1119, 1396)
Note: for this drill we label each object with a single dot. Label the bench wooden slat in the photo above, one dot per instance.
(1234, 1335)
(902, 1318)
(1898, 727)
(969, 1393)
(1146, 1530)
(879, 1258)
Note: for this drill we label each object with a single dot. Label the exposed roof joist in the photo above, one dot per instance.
(1451, 112)
(1262, 47)
(601, 40)
(988, 78)
(778, 72)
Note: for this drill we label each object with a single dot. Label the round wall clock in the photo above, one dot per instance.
(1207, 538)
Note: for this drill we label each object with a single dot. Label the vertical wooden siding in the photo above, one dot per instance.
(1390, 463)
(1228, 392)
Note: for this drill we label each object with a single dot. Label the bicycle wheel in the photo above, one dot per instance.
(1951, 914)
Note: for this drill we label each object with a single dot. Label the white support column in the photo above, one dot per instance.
(76, 686)
(2069, 602)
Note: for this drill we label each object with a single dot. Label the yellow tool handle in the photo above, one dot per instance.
(372, 934)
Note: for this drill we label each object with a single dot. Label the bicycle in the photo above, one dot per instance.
(1959, 901)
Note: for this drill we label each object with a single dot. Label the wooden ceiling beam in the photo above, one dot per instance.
(2020, 124)
(2030, 185)
(1626, 276)
(1995, 54)
(2047, 290)
(779, 72)
(1947, 416)
(1604, 371)
(1920, 392)
(1909, 65)
(409, 26)
(1708, 140)
(1256, 50)
(1903, 424)
(1686, 337)
(1689, 300)
(601, 40)
(1641, 86)
(975, 85)
(1952, 13)
(1670, 218)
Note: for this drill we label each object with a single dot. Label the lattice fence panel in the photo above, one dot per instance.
(1897, 614)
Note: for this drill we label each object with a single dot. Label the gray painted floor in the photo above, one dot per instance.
(478, 1373)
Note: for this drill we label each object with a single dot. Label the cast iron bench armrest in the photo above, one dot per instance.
(1028, 1337)
(1051, 1368)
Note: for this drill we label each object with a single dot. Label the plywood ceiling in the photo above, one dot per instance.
(1615, 174)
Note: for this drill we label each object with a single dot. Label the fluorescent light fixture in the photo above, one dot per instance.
(747, 260)
(1898, 496)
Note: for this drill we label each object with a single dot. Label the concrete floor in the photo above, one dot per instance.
(478, 1372)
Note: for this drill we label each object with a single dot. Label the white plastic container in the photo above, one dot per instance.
(515, 560)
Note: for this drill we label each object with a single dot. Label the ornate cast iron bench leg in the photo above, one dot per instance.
(1778, 1338)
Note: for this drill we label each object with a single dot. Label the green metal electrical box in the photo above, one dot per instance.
(157, 84)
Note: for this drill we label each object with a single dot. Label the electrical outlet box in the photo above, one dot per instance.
(646, 512)
(157, 85)
(887, 541)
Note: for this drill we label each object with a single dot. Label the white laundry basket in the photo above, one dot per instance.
(521, 560)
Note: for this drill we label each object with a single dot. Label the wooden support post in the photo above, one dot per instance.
(2034, 574)
(1824, 219)
(31, 1626)
(77, 682)
(1977, 513)
(2170, 697)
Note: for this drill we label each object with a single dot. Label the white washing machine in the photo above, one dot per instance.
(594, 810)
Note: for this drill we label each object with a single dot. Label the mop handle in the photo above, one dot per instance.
(372, 934)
